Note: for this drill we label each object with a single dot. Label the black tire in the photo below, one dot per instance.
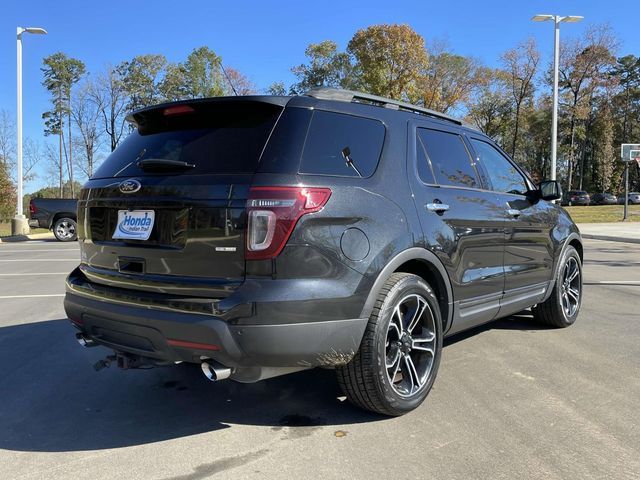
(366, 380)
(553, 311)
(65, 229)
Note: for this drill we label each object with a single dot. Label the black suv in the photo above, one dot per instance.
(257, 236)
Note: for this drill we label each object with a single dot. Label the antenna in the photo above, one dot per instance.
(228, 79)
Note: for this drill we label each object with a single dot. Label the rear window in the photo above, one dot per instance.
(218, 138)
(330, 134)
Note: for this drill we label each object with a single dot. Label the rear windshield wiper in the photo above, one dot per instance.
(346, 154)
(164, 164)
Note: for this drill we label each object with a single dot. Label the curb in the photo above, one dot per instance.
(611, 239)
(24, 238)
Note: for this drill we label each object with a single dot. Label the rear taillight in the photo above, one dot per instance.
(272, 214)
(32, 208)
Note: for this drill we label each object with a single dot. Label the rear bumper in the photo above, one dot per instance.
(167, 336)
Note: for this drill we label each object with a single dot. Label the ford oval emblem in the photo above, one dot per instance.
(130, 186)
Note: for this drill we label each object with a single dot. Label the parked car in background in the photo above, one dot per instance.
(56, 214)
(604, 199)
(257, 236)
(634, 198)
(576, 197)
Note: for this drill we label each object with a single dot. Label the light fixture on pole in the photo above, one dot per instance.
(557, 20)
(19, 224)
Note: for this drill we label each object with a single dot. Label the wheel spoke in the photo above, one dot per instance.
(573, 275)
(565, 301)
(412, 374)
(398, 314)
(395, 327)
(573, 293)
(397, 364)
(421, 305)
(425, 344)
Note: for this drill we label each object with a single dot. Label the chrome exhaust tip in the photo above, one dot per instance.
(85, 341)
(214, 371)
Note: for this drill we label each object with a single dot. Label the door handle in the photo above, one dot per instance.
(513, 212)
(437, 207)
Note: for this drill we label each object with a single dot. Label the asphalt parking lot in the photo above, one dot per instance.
(512, 399)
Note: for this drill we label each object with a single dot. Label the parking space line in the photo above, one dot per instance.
(40, 250)
(2, 297)
(42, 260)
(33, 274)
(614, 282)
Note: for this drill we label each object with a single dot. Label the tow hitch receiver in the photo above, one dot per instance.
(123, 360)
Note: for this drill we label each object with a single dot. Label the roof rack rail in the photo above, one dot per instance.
(329, 93)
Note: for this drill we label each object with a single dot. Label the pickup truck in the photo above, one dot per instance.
(57, 214)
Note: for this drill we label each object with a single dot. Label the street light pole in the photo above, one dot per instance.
(556, 65)
(554, 114)
(19, 225)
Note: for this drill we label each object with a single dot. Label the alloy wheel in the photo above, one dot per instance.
(410, 345)
(570, 289)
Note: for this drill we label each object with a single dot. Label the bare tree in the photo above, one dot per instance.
(583, 66)
(110, 98)
(241, 83)
(521, 65)
(7, 140)
(32, 157)
(86, 115)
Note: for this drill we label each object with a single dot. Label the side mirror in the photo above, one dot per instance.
(550, 190)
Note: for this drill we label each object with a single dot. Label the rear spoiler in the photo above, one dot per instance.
(150, 115)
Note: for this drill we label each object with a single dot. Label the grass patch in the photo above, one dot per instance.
(603, 213)
(5, 229)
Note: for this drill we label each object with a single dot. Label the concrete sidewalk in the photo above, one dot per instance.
(617, 232)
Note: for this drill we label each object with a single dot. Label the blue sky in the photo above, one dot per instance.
(265, 39)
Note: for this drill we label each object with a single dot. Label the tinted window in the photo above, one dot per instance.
(503, 175)
(424, 165)
(330, 133)
(216, 138)
(449, 158)
(284, 149)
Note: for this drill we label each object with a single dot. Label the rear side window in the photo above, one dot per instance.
(449, 158)
(330, 134)
(222, 138)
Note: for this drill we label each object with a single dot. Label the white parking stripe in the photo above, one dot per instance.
(42, 260)
(614, 282)
(31, 296)
(39, 250)
(33, 274)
